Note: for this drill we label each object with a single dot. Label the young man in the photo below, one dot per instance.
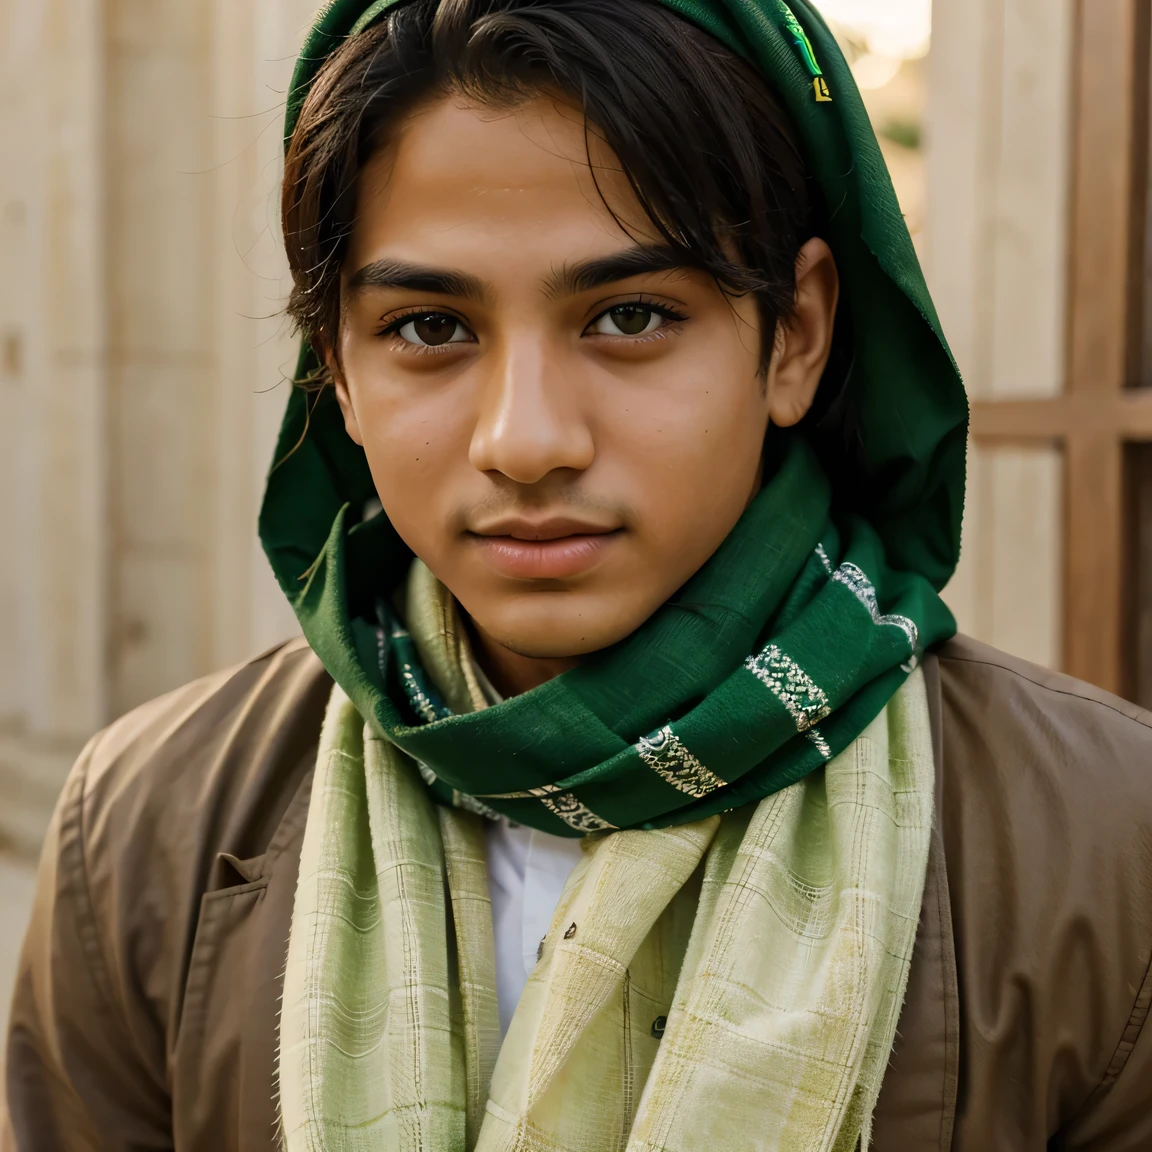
(653, 806)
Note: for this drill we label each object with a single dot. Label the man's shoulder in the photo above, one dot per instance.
(211, 765)
(197, 793)
(1041, 757)
(968, 662)
(1044, 728)
(1046, 818)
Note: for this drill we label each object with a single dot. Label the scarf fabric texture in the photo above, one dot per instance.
(792, 638)
(732, 982)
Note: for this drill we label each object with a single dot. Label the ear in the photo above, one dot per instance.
(804, 339)
(343, 397)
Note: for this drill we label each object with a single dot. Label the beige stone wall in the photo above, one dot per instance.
(52, 384)
(197, 348)
(141, 359)
(53, 579)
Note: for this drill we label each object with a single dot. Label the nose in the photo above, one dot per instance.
(531, 420)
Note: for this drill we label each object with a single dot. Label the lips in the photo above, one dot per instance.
(555, 549)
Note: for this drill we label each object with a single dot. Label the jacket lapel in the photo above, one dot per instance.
(917, 1106)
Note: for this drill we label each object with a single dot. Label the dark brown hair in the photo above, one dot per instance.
(702, 139)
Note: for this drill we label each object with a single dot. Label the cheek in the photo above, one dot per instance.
(694, 450)
(413, 445)
(699, 487)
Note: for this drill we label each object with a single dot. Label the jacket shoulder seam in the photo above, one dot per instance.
(74, 860)
(1144, 719)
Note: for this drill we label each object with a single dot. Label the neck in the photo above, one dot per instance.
(512, 672)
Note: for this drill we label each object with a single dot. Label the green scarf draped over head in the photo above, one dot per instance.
(790, 640)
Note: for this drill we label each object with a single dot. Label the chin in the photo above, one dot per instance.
(554, 649)
(554, 632)
(556, 644)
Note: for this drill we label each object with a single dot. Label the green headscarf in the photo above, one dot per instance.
(793, 636)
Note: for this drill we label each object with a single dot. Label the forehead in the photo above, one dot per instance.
(461, 180)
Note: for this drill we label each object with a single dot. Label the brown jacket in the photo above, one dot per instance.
(146, 1011)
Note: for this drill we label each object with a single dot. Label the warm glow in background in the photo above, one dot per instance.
(886, 42)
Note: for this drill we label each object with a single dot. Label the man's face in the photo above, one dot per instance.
(562, 426)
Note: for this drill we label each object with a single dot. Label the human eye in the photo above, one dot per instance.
(632, 319)
(429, 330)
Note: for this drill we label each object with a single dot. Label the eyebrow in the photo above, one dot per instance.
(637, 261)
(570, 280)
(417, 278)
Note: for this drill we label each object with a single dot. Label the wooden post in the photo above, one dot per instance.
(1097, 413)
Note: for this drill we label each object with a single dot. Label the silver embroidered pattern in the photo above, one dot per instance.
(791, 685)
(824, 558)
(665, 753)
(817, 738)
(573, 811)
(526, 794)
(381, 651)
(471, 804)
(861, 587)
(459, 799)
(417, 696)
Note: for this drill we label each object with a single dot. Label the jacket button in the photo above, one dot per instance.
(571, 931)
(658, 1026)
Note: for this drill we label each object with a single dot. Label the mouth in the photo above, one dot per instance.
(557, 549)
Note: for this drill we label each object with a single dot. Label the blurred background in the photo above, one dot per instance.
(143, 355)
